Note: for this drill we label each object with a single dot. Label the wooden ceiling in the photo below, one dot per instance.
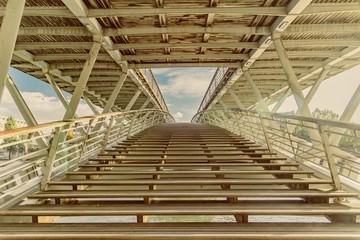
(142, 34)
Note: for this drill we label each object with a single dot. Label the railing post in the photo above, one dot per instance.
(132, 124)
(266, 135)
(58, 138)
(107, 134)
(330, 157)
(145, 120)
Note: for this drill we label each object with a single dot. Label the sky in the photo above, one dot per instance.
(183, 90)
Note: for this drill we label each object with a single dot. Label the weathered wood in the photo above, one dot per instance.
(174, 231)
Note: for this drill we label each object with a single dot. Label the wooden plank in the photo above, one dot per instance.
(191, 172)
(189, 154)
(181, 165)
(276, 193)
(191, 182)
(180, 209)
(203, 160)
(176, 231)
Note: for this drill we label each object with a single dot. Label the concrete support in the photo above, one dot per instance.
(260, 105)
(8, 34)
(115, 92)
(84, 76)
(133, 100)
(317, 84)
(24, 109)
(291, 77)
(145, 104)
(236, 99)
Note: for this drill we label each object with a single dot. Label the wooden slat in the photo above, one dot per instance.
(189, 172)
(179, 209)
(186, 165)
(171, 231)
(261, 193)
(192, 182)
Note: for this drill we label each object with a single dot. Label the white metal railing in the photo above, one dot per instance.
(218, 77)
(330, 148)
(69, 143)
(147, 75)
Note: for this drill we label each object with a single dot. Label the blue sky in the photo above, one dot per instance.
(183, 90)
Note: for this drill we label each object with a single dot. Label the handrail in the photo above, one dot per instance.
(69, 142)
(323, 153)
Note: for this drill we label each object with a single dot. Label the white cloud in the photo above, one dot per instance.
(44, 108)
(183, 83)
(178, 116)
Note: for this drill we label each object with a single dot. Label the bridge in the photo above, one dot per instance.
(237, 171)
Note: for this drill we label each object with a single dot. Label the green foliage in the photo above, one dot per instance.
(10, 124)
(347, 142)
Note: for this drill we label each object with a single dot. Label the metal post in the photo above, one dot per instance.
(8, 34)
(133, 119)
(84, 77)
(107, 134)
(266, 135)
(145, 120)
(330, 157)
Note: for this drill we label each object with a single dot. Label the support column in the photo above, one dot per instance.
(145, 104)
(84, 77)
(236, 99)
(8, 34)
(133, 100)
(261, 102)
(317, 83)
(291, 76)
(281, 101)
(24, 109)
(115, 92)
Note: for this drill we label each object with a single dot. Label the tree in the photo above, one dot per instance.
(346, 142)
(9, 125)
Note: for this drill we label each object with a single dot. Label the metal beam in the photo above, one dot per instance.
(294, 8)
(115, 92)
(81, 84)
(236, 99)
(238, 30)
(145, 104)
(317, 84)
(8, 34)
(265, 11)
(184, 56)
(192, 64)
(324, 28)
(91, 105)
(260, 105)
(24, 109)
(292, 79)
(281, 100)
(133, 100)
